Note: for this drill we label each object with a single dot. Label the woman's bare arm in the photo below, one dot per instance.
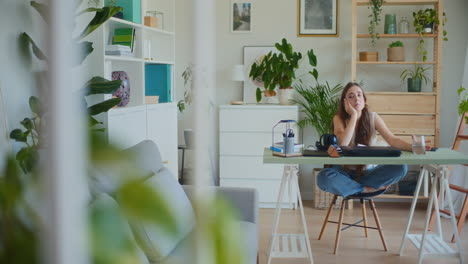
(344, 135)
(391, 139)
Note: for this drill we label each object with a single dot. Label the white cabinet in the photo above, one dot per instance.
(129, 126)
(244, 132)
(162, 129)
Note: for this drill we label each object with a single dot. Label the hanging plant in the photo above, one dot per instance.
(425, 21)
(376, 9)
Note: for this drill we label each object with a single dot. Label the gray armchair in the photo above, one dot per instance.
(156, 245)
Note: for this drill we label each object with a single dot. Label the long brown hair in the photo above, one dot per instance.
(362, 133)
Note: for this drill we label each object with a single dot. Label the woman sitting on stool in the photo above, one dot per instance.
(353, 124)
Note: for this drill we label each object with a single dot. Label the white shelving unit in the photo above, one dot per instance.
(126, 126)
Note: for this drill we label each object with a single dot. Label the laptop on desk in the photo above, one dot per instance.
(370, 151)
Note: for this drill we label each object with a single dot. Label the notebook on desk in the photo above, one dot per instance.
(314, 153)
(370, 151)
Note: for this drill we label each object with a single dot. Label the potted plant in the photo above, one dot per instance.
(396, 51)
(319, 103)
(415, 77)
(278, 70)
(425, 21)
(376, 9)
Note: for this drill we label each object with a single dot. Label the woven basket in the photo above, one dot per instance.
(323, 199)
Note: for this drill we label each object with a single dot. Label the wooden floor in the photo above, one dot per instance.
(354, 247)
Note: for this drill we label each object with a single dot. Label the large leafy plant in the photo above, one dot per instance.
(28, 155)
(278, 70)
(187, 76)
(319, 103)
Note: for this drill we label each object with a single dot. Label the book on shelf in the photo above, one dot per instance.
(279, 147)
(118, 48)
(124, 37)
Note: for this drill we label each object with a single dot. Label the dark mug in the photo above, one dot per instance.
(325, 141)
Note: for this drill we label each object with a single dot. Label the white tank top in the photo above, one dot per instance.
(373, 138)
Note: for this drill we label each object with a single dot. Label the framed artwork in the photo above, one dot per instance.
(251, 55)
(317, 18)
(241, 19)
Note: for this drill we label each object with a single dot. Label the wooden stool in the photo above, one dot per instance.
(362, 198)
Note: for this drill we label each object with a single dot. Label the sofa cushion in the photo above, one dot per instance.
(148, 156)
(156, 242)
(184, 252)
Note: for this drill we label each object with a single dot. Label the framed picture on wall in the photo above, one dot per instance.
(317, 18)
(241, 16)
(253, 54)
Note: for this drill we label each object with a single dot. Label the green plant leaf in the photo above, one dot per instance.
(315, 74)
(99, 18)
(99, 85)
(139, 201)
(312, 58)
(39, 54)
(85, 48)
(110, 242)
(18, 135)
(42, 9)
(28, 124)
(103, 107)
(460, 90)
(93, 121)
(258, 95)
(35, 105)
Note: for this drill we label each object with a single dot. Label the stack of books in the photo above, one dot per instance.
(279, 147)
(122, 37)
(118, 50)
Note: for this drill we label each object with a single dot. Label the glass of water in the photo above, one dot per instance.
(418, 145)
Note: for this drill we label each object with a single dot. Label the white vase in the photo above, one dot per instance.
(285, 95)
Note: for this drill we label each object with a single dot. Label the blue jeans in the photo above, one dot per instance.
(338, 181)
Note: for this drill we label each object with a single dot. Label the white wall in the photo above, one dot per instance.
(16, 80)
(275, 19)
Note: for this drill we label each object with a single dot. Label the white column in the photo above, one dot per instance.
(65, 174)
(204, 112)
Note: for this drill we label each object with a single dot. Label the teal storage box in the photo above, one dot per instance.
(131, 9)
(158, 79)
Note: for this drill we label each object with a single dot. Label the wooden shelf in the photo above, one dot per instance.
(399, 93)
(395, 62)
(117, 22)
(404, 113)
(397, 196)
(158, 31)
(122, 58)
(401, 2)
(158, 62)
(397, 35)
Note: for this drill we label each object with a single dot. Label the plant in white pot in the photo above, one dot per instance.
(279, 71)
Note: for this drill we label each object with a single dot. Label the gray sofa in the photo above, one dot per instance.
(157, 246)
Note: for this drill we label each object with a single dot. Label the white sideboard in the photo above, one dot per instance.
(244, 132)
(128, 126)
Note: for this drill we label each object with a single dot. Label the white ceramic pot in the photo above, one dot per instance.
(285, 95)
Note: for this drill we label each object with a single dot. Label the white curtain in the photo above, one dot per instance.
(460, 173)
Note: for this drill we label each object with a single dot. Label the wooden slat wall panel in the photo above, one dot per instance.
(410, 124)
(406, 138)
(408, 103)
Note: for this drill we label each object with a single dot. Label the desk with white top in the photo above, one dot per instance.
(434, 164)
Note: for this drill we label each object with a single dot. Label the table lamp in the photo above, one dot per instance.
(237, 74)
